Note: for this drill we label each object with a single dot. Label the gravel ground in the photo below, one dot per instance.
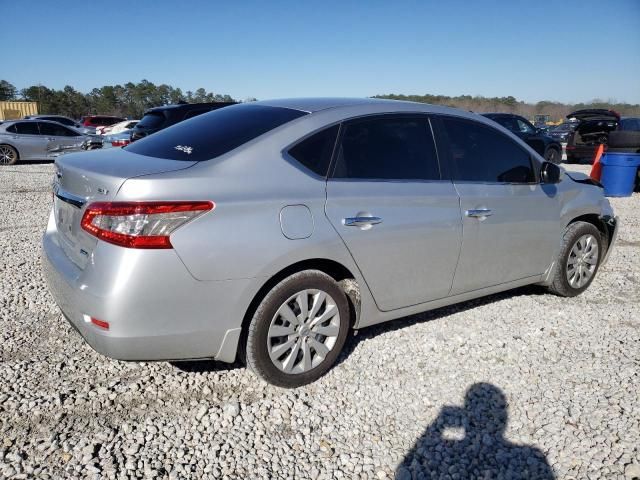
(518, 385)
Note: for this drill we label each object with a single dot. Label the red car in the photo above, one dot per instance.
(100, 120)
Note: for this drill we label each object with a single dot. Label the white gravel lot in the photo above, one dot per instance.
(548, 381)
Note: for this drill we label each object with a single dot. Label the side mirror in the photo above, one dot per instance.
(550, 173)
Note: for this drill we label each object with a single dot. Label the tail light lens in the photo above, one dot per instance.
(140, 224)
(120, 143)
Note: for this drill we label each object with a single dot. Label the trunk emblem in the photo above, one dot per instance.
(184, 148)
(102, 191)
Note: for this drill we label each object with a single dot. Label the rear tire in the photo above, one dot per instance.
(8, 155)
(298, 330)
(578, 261)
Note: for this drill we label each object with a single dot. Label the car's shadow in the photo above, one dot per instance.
(199, 366)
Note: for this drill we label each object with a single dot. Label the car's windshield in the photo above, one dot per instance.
(213, 134)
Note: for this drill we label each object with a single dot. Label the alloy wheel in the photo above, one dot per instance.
(303, 331)
(7, 155)
(582, 261)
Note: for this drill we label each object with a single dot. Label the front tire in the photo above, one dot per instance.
(553, 155)
(8, 155)
(298, 330)
(578, 261)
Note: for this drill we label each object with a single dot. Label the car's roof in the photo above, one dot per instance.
(499, 114)
(186, 106)
(356, 106)
(313, 104)
(42, 115)
(28, 120)
(33, 120)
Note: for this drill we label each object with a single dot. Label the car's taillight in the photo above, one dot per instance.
(120, 143)
(140, 224)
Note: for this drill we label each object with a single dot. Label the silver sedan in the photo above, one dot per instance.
(26, 140)
(266, 231)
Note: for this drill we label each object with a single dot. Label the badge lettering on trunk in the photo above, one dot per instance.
(102, 191)
(184, 148)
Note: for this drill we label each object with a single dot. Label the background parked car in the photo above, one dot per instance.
(548, 147)
(158, 118)
(121, 139)
(561, 132)
(96, 121)
(594, 126)
(69, 122)
(117, 127)
(631, 124)
(41, 140)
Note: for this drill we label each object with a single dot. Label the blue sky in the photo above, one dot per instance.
(571, 50)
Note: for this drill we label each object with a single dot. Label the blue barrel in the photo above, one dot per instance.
(619, 172)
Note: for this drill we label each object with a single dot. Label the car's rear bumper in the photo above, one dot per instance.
(155, 309)
(580, 152)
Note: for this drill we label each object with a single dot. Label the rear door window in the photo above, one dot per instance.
(56, 130)
(392, 148)
(315, 152)
(507, 122)
(525, 127)
(479, 153)
(214, 133)
(25, 128)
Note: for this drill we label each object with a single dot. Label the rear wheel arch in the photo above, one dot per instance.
(334, 269)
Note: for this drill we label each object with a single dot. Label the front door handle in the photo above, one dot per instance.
(479, 213)
(363, 222)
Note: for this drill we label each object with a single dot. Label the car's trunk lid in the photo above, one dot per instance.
(591, 114)
(96, 176)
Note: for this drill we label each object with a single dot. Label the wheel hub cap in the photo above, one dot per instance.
(303, 331)
(582, 261)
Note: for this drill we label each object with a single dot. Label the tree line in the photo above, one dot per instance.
(556, 110)
(132, 99)
(128, 100)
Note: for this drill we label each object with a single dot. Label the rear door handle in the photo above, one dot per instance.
(361, 221)
(479, 213)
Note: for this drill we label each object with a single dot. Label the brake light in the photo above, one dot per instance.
(140, 224)
(120, 143)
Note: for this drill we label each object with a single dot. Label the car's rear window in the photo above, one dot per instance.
(213, 134)
(152, 120)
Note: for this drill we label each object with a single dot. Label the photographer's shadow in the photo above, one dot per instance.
(468, 442)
